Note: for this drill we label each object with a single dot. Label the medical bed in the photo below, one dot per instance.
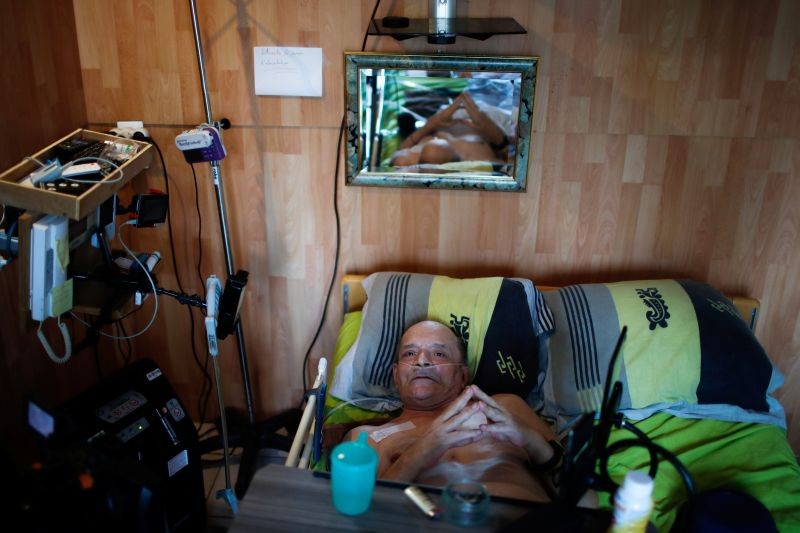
(695, 379)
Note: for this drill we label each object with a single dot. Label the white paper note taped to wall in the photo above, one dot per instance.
(287, 71)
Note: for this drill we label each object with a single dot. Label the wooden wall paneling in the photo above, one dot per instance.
(779, 327)
(624, 238)
(643, 115)
(497, 216)
(665, 143)
(526, 224)
(43, 99)
(419, 221)
(548, 207)
(41, 77)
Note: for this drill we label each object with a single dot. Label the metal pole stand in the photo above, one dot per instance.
(248, 434)
(226, 493)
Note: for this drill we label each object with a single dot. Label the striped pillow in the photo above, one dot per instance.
(687, 351)
(499, 320)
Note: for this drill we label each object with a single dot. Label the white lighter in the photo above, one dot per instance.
(422, 501)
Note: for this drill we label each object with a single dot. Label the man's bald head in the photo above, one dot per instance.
(431, 368)
(435, 328)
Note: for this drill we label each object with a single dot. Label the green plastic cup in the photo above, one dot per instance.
(353, 468)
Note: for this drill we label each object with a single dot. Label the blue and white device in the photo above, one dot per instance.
(202, 144)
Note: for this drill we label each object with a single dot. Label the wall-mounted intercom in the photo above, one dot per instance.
(49, 258)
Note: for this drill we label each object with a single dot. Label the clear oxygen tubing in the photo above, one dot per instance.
(430, 365)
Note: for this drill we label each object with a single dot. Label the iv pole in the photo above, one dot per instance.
(223, 218)
(227, 492)
(253, 435)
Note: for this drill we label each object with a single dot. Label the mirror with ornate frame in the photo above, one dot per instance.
(439, 121)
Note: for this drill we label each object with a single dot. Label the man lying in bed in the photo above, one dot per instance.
(451, 430)
(459, 132)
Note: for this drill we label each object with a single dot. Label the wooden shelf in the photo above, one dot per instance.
(37, 202)
(445, 31)
(74, 207)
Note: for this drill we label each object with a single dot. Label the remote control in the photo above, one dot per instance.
(80, 169)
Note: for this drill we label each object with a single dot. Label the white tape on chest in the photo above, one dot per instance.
(386, 431)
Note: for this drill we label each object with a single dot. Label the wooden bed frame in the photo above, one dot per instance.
(354, 297)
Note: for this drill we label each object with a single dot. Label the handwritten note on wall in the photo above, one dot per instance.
(288, 71)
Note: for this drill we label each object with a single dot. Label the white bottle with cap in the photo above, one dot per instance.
(633, 504)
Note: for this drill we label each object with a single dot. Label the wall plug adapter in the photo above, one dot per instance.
(128, 128)
(131, 124)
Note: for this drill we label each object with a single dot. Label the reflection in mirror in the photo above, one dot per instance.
(425, 120)
(439, 121)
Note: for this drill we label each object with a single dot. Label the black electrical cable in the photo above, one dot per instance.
(668, 455)
(371, 18)
(338, 229)
(609, 418)
(206, 388)
(91, 339)
(169, 214)
(98, 367)
(199, 228)
(644, 441)
(653, 449)
(129, 313)
(605, 415)
(11, 229)
(206, 383)
(125, 353)
(335, 261)
(622, 423)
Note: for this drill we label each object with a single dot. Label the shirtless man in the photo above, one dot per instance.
(451, 430)
(460, 132)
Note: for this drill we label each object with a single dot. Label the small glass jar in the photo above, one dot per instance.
(465, 502)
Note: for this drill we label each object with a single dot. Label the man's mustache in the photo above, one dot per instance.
(427, 371)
